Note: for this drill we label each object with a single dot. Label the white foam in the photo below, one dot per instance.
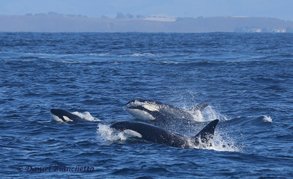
(99, 54)
(108, 134)
(86, 116)
(197, 116)
(142, 54)
(220, 142)
(208, 114)
(223, 142)
(267, 118)
(201, 145)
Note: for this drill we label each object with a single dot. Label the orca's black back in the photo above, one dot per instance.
(154, 134)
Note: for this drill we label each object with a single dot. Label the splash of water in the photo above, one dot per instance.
(222, 142)
(267, 118)
(197, 116)
(86, 116)
(208, 114)
(106, 133)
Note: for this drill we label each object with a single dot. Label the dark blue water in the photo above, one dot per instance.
(247, 80)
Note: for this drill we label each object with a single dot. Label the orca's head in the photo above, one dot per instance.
(120, 126)
(61, 115)
(143, 109)
(128, 128)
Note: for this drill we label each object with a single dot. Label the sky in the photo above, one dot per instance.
(281, 9)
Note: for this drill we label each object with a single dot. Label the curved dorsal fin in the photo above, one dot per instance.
(205, 136)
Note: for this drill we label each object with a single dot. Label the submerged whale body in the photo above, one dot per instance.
(65, 116)
(160, 112)
(203, 139)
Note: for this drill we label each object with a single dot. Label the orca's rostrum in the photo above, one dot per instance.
(65, 116)
(160, 113)
(203, 139)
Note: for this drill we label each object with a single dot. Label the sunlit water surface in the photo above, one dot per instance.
(247, 80)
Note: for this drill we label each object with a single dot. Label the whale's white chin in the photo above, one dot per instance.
(56, 118)
(139, 114)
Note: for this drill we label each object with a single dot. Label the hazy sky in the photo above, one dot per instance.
(282, 9)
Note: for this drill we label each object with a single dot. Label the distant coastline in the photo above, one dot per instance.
(71, 23)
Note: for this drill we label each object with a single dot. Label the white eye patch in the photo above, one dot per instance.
(132, 133)
(151, 107)
(140, 114)
(67, 119)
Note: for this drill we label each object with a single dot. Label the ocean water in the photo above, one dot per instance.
(247, 80)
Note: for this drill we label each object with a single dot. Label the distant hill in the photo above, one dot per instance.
(59, 23)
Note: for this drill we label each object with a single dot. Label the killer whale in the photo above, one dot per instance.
(65, 116)
(162, 113)
(203, 139)
(61, 115)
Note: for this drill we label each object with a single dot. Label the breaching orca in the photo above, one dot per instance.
(160, 112)
(158, 135)
(65, 116)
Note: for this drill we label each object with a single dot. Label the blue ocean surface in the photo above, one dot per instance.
(246, 78)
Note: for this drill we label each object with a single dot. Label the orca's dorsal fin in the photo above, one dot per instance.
(199, 107)
(205, 136)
